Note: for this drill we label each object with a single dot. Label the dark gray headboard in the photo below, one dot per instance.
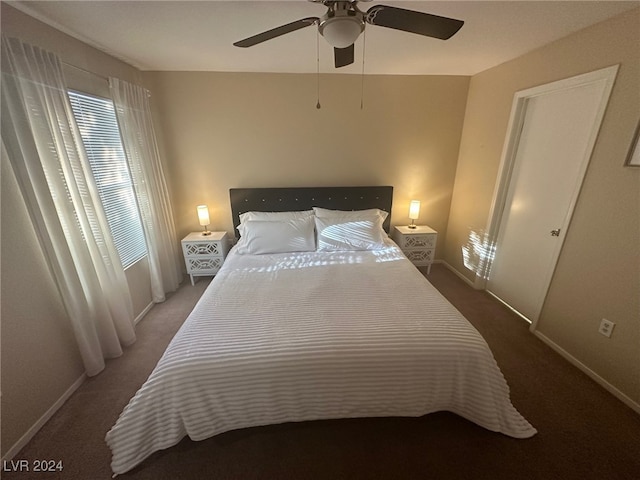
(303, 198)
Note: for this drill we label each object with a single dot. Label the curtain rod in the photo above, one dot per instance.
(106, 79)
(86, 71)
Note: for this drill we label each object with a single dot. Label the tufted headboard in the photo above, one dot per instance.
(304, 198)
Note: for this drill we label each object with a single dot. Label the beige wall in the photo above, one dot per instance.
(225, 130)
(598, 273)
(40, 359)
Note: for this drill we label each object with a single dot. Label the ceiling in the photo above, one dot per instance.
(199, 35)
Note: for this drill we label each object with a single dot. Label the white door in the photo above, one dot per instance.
(559, 123)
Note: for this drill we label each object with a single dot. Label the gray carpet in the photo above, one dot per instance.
(584, 432)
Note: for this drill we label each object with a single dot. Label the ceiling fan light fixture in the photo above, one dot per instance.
(343, 23)
(342, 31)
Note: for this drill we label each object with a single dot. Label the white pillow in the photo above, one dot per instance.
(274, 216)
(357, 214)
(347, 234)
(267, 236)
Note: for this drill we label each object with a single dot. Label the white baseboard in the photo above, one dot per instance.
(594, 376)
(566, 355)
(19, 445)
(457, 273)
(143, 313)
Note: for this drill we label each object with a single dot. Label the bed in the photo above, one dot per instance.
(301, 326)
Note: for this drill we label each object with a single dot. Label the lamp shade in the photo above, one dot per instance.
(203, 215)
(414, 209)
(341, 31)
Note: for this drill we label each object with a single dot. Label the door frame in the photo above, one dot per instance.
(512, 140)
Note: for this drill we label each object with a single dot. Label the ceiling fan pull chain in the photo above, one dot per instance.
(364, 44)
(318, 68)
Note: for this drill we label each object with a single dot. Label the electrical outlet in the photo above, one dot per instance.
(606, 327)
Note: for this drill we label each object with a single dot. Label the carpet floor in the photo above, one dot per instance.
(583, 431)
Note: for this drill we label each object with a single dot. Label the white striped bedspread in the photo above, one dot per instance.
(309, 336)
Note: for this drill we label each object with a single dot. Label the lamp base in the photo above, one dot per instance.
(412, 226)
(205, 233)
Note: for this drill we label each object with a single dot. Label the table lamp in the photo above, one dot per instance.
(414, 212)
(203, 217)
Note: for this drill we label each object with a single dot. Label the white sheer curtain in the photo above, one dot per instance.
(40, 139)
(140, 145)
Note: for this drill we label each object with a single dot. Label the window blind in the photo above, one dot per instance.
(98, 127)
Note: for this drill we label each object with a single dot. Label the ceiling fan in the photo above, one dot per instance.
(343, 23)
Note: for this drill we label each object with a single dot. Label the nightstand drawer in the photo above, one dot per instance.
(418, 241)
(420, 257)
(195, 249)
(204, 266)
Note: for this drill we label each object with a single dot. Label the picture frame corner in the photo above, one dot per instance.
(633, 155)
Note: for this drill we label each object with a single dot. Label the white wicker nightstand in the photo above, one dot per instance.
(204, 254)
(418, 244)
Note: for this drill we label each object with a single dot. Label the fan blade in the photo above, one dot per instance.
(343, 56)
(414, 22)
(276, 32)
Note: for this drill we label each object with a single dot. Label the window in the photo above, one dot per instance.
(98, 127)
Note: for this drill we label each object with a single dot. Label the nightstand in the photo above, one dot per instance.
(204, 254)
(418, 244)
